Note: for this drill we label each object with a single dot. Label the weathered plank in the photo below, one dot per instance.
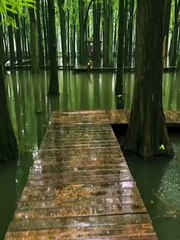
(80, 186)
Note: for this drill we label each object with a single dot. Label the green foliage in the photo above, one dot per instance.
(72, 6)
(10, 7)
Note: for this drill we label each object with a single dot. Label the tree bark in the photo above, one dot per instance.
(167, 14)
(8, 143)
(18, 41)
(33, 41)
(120, 57)
(11, 46)
(40, 38)
(107, 33)
(54, 83)
(147, 133)
(173, 47)
(63, 32)
(96, 35)
(82, 33)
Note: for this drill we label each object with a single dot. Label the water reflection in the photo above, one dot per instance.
(30, 110)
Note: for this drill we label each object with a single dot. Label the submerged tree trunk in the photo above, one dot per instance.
(8, 143)
(53, 84)
(147, 133)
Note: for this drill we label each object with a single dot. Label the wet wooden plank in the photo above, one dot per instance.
(113, 117)
(118, 116)
(131, 231)
(80, 186)
(174, 116)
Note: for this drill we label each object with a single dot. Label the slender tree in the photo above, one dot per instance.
(18, 41)
(96, 35)
(33, 40)
(63, 32)
(174, 43)
(147, 133)
(120, 57)
(82, 35)
(8, 143)
(54, 83)
(167, 14)
(107, 33)
(40, 38)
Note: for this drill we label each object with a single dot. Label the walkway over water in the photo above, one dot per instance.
(80, 186)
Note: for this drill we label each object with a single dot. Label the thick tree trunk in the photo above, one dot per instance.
(147, 133)
(54, 83)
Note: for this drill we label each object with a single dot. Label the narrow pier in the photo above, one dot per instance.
(80, 186)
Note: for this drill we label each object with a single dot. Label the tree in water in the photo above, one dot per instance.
(147, 134)
(53, 84)
(8, 143)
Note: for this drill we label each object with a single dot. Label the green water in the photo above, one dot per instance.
(158, 181)
(30, 110)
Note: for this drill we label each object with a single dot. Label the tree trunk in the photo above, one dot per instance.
(18, 41)
(96, 35)
(82, 33)
(45, 30)
(120, 57)
(63, 32)
(33, 41)
(130, 30)
(73, 39)
(8, 143)
(11, 46)
(53, 84)
(107, 33)
(167, 14)
(126, 38)
(173, 47)
(40, 39)
(147, 133)
(24, 38)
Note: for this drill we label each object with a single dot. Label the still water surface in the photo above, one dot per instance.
(30, 110)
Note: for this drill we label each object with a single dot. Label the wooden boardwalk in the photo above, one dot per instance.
(80, 186)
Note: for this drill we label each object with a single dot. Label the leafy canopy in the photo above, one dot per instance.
(10, 7)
